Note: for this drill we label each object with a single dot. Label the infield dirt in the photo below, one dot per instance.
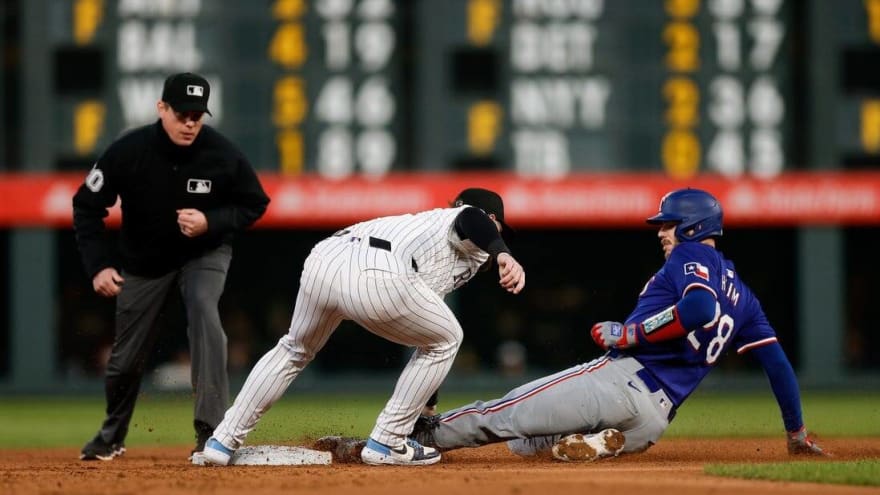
(674, 467)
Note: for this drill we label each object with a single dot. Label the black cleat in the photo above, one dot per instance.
(423, 430)
(99, 450)
(203, 433)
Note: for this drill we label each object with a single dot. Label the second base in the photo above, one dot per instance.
(273, 455)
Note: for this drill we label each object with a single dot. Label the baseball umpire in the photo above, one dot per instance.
(389, 275)
(692, 311)
(185, 190)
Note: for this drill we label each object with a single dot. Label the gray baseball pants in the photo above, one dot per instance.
(138, 306)
(587, 398)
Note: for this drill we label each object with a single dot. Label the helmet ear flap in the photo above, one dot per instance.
(695, 232)
(688, 233)
(697, 212)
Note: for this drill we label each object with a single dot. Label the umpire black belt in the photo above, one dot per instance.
(653, 386)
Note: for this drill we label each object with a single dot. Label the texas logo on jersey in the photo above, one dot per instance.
(694, 268)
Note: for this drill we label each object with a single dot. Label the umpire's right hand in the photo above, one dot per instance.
(108, 282)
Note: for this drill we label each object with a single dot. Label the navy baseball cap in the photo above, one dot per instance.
(187, 92)
(486, 200)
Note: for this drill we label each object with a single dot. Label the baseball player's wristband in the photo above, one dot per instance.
(664, 325)
(696, 309)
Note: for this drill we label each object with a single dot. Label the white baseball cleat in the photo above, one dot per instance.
(411, 453)
(216, 453)
(586, 448)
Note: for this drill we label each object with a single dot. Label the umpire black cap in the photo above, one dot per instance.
(187, 92)
(486, 200)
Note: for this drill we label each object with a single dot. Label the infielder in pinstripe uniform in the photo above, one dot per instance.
(389, 275)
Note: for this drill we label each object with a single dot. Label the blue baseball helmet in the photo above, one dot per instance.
(697, 213)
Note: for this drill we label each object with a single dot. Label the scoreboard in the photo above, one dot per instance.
(685, 85)
(538, 87)
(293, 82)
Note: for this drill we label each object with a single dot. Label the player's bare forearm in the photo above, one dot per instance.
(511, 273)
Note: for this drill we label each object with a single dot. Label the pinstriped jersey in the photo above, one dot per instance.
(739, 324)
(445, 261)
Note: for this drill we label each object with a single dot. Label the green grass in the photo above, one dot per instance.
(756, 414)
(862, 472)
(167, 419)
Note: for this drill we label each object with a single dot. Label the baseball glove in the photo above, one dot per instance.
(345, 450)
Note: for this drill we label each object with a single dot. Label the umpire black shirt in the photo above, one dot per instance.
(154, 178)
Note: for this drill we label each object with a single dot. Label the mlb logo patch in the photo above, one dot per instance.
(195, 90)
(198, 186)
(694, 268)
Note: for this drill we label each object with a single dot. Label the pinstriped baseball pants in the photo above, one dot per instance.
(345, 278)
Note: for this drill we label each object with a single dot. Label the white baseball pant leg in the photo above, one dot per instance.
(387, 297)
(344, 279)
(315, 317)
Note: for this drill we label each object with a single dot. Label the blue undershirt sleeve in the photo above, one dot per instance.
(783, 382)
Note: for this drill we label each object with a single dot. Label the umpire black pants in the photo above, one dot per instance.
(201, 282)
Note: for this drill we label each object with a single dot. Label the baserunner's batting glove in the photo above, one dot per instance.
(608, 334)
(801, 442)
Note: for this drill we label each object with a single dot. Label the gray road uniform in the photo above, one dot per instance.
(695, 309)
(533, 416)
(389, 275)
